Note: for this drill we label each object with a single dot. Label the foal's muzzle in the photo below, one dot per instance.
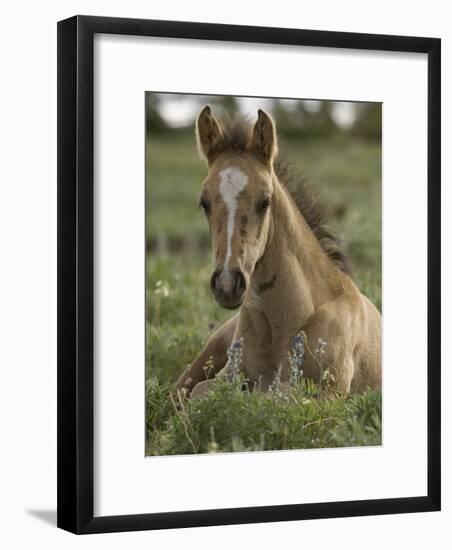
(228, 287)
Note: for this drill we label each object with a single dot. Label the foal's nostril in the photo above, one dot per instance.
(240, 283)
(228, 286)
(214, 281)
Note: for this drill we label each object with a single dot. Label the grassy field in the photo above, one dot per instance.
(181, 312)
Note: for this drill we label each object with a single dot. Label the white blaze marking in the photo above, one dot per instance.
(233, 182)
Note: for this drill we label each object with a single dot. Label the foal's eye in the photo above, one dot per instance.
(264, 204)
(204, 205)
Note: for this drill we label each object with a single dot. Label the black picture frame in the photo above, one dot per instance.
(76, 263)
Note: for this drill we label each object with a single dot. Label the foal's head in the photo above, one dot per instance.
(237, 200)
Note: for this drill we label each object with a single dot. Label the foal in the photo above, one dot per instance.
(275, 261)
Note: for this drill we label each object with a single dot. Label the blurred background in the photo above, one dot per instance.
(335, 145)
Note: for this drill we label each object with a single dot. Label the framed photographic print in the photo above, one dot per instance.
(248, 276)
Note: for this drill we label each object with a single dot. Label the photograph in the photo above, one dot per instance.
(224, 259)
(263, 274)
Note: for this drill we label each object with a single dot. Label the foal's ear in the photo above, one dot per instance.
(208, 134)
(264, 142)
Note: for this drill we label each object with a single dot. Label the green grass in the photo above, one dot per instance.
(231, 419)
(179, 322)
(181, 313)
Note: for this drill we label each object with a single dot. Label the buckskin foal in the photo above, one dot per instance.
(275, 260)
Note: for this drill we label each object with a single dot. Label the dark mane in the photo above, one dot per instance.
(237, 132)
(314, 212)
(237, 136)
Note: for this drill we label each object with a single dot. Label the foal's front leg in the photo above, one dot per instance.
(216, 350)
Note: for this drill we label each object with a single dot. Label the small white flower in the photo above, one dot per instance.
(162, 289)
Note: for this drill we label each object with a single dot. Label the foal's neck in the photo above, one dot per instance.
(294, 276)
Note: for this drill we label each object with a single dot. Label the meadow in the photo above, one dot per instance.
(181, 312)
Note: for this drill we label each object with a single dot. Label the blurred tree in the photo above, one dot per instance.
(225, 105)
(319, 122)
(368, 121)
(229, 103)
(288, 120)
(305, 118)
(154, 120)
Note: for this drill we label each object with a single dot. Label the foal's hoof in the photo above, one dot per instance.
(202, 389)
